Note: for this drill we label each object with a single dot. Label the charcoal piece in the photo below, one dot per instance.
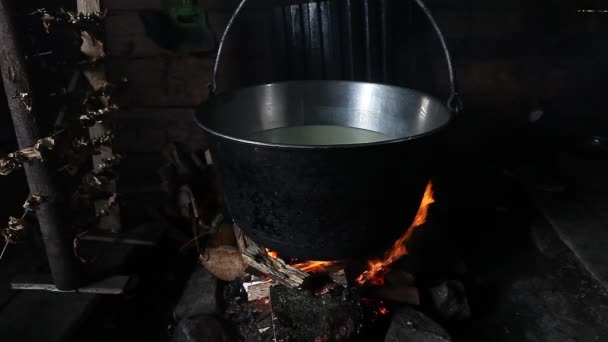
(399, 294)
(260, 331)
(411, 325)
(300, 315)
(400, 278)
(450, 300)
(201, 329)
(252, 319)
(199, 296)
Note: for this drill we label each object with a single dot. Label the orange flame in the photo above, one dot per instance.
(272, 254)
(383, 310)
(308, 266)
(378, 268)
(313, 266)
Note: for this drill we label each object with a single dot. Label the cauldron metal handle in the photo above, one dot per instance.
(454, 102)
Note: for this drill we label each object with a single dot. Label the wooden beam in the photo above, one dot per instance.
(114, 285)
(88, 6)
(96, 75)
(56, 236)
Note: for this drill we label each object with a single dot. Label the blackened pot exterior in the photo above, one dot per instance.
(324, 204)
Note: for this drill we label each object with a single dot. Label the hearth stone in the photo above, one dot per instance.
(201, 329)
(300, 315)
(251, 319)
(411, 325)
(199, 297)
(450, 300)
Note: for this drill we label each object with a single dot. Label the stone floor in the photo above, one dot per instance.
(544, 296)
(551, 281)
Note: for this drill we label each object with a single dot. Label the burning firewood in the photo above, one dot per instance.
(277, 269)
(222, 257)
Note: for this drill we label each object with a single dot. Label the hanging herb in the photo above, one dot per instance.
(16, 227)
(86, 144)
(26, 100)
(93, 117)
(81, 150)
(108, 166)
(33, 202)
(67, 46)
(16, 159)
(108, 206)
(63, 16)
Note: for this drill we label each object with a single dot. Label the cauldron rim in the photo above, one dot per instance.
(210, 103)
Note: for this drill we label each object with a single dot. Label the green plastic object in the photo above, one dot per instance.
(196, 37)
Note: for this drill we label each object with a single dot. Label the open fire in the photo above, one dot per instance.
(314, 266)
(377, 268)
(311, 300)
(272, 254)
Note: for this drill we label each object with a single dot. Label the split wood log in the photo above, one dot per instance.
(222, 257)
(256, 258)
(259, 289)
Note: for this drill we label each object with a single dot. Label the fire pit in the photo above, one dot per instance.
(285, 299)
(474, 283)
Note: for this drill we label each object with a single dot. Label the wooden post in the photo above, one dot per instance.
(88, 6)
(96, 76)
(56, 237)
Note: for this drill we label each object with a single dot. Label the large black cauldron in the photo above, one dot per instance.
(324, 201)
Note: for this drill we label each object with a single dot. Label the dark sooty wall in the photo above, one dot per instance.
(511, 56)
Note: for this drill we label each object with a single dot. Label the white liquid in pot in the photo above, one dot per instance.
(318, 135)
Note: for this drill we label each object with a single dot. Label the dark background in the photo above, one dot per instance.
(590, 5)
(511, 57)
